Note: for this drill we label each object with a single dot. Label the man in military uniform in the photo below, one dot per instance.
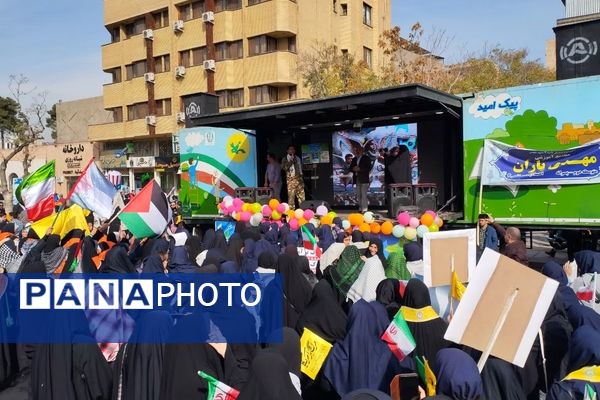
(293, 171)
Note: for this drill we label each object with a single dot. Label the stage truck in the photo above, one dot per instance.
(527, 155)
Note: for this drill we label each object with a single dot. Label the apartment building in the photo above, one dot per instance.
(245, 51)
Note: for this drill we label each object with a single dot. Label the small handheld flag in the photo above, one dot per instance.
(398, 337)
(314, 353)
(457, 289)
(217, 390)
(426, 374)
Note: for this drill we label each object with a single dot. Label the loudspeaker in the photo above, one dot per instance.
(400, 195)
(426, 195)
(262, 195)
(313, 204)
(247, 194)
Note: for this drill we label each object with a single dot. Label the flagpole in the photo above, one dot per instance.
(496, 332)
(451, 281)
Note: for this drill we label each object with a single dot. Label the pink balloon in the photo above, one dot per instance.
(414, 222)
(245, 216)
(266, 211)
(308, 214)
(294, 225)
(281, 208)
(238, 203)
(404, 218)
(229, 210)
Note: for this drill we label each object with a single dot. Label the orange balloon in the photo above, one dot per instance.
(387, 227)
(273, 203)
(427, 219)
(326, 220)
(375, 228)
(356, 219)
(302, 221)
(364, 227)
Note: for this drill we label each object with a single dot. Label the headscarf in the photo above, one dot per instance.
(428, 334)
(251, 233)
(153, 264)
(366, 394)
(556, 332)
(209, 239)
(588, 262)
(380, 254)
(269, 379)
(117, 262)
(234, 251)
(268, 260)
(413, 251)
(53, 254)
(323, 315)
(362, 360)
(193, 246)
(357, 236)
(262, 246)
(249, 259)
(388, 294)
(585, 352)
(264, 227)
(347, 269)
(272, 237)
(325, 237)
(289, 348)
(229, 267)
(457, 375)
(291, 250)
(220, 240)
(296, 290)
(396, 267)
(500, 381)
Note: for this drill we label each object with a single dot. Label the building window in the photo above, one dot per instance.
(368, 56)
(115, 34)
(262, 44)
(344, 52)
(293, 94)
(291, 44)
(229, 50)
(135, 28)
(117, 114)
(344, 8)
(137, 111)
(191, 10)
(191, 57)
(163, 107)
(263, 95)
(232, 98)
(162, 63)
(335, 6)
(227, 5)
(161, 19)
(136, 69)
(253, 2)
(115, 74)
(367, 12)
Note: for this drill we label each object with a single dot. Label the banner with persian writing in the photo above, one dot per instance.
(509, 165)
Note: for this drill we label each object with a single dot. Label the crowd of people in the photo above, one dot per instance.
(348, 300)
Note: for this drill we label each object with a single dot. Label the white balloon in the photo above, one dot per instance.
(345, 224)
(369, 217)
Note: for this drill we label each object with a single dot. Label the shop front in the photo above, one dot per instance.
(71, 160)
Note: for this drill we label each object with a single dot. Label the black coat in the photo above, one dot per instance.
(365, 165)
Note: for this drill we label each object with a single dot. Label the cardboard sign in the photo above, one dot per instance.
(439, 248)
(493, 284)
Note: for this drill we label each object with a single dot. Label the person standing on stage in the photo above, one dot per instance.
(361, 166)
(293, 171)
(273, 175)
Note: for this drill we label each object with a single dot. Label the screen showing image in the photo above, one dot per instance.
(372, 140)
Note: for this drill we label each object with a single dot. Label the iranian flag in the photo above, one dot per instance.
(36, 192)
(217, 390)
(148, 214)
(398, 337)
(589, 393)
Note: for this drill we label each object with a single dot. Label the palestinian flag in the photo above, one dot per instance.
(36, 192)
(148, 214)
(217, 390)
(399, 338)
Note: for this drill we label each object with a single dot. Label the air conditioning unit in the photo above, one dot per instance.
(151, 120)
(208, 17)
(180, 117)
(179, 71)
(149, 77)
(148, 34)
(210, 65)
(178, 25)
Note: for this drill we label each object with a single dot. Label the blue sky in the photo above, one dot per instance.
(56, 43)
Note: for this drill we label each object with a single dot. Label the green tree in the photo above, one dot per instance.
(9, 119)
(532, 123)
(326, 72)
(25, 127)
(51, 121)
